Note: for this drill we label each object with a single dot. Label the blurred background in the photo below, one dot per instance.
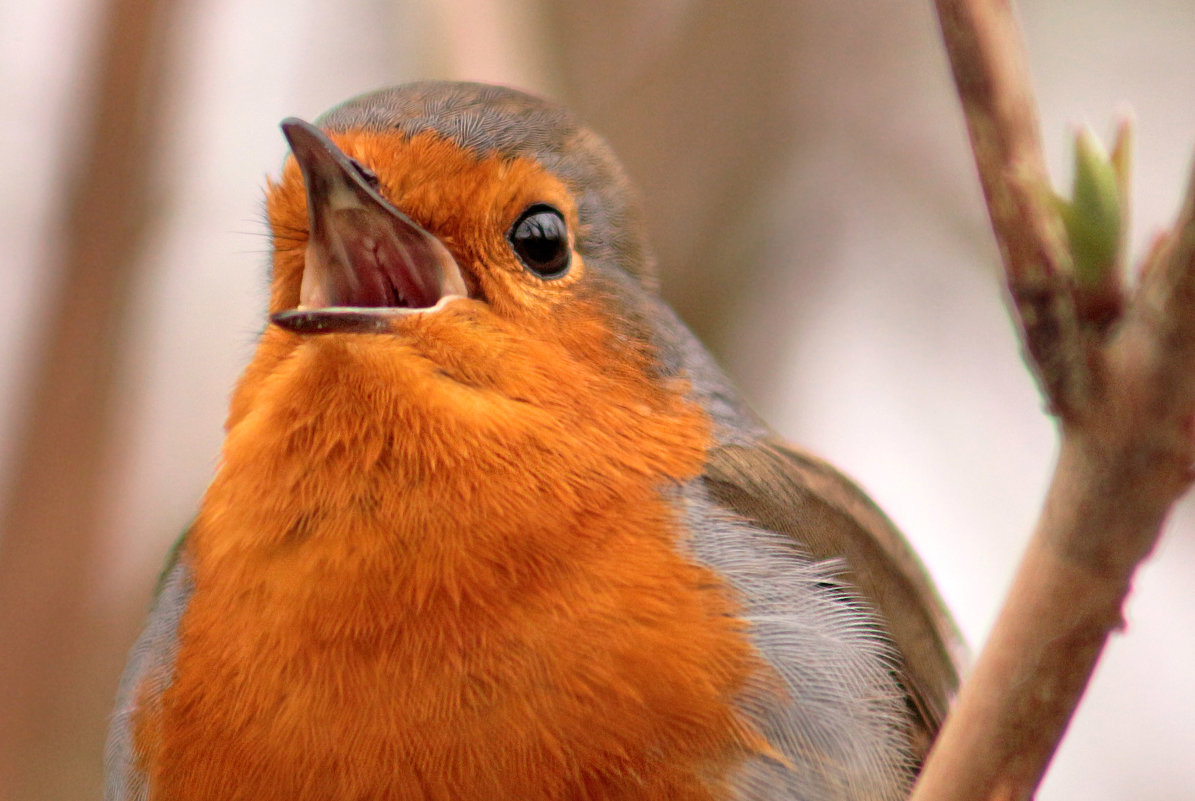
(812, 200)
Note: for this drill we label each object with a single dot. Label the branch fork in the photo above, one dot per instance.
(1116, 366)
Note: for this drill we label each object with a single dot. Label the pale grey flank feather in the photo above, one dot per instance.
(148, 674)
(842, 726)
(835, 601)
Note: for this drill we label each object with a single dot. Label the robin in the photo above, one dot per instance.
(490, 524)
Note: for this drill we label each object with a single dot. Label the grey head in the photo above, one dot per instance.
(488, 120)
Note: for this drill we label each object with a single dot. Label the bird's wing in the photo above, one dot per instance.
(790, 492)
(146, 677)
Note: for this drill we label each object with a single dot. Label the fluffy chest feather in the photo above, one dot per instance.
(509, 624)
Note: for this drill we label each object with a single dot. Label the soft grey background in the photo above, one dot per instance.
(813, 202)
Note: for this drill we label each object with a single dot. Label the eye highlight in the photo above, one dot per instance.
(540, 239)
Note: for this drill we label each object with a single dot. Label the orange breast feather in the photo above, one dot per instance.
(444, 564)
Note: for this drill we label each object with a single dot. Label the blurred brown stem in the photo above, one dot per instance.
(52, 504)
(1123, 394)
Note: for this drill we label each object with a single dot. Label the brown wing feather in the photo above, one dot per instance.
(787, 491)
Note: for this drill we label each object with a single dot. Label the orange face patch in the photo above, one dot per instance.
(469, 203)
(444, 562)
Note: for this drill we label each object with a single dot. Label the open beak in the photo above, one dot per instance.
(366, 261)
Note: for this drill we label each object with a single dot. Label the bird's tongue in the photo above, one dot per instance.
(362, 252)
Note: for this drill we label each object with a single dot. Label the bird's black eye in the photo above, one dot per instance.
(369, 175)
(540, 240)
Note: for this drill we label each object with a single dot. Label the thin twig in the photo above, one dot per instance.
(990, 69)
(1123, 391)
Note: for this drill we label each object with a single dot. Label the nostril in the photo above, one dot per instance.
(369, 176)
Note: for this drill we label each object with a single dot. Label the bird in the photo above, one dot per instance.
(490, 523)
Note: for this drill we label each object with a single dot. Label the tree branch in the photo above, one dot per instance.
(991, 72)
(1122, 384)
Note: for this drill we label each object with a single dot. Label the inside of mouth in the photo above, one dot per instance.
(364, 261)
